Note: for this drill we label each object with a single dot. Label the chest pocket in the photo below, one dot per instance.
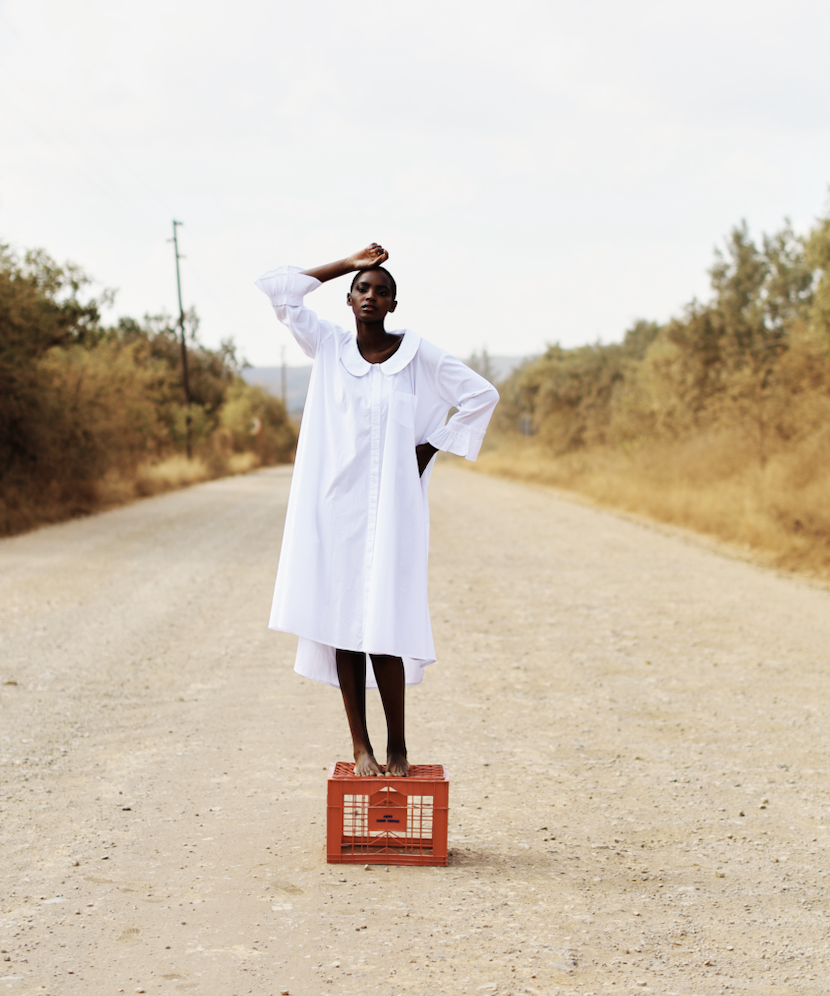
(402, 409)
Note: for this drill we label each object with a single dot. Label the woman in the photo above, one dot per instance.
(352, 577)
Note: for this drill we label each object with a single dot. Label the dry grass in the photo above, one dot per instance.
(710, 484)
(20, 512)
(169, 475)
(172, 473)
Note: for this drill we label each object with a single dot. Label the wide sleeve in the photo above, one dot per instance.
(474, 397)
(286, 287)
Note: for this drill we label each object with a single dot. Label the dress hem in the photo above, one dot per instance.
(317, 662)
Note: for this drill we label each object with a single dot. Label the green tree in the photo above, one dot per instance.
(82, 405)
(720, 362)
(817, 257)
(40, 309)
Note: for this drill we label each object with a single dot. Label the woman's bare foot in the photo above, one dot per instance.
(397, 764)
(365, 764)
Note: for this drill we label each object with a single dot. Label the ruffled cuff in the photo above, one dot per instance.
(458, 440)
(287, 285)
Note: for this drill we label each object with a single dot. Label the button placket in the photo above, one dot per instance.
(376, 382)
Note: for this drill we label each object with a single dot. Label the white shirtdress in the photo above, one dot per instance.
(353, 564)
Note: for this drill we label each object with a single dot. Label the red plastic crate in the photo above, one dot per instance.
(387, 820)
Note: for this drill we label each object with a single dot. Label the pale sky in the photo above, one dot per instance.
(540, 171)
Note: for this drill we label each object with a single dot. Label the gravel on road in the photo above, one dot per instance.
(635, 728)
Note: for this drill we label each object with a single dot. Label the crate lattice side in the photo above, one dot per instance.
(388, 820)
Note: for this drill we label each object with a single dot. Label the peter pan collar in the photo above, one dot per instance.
(357, 366)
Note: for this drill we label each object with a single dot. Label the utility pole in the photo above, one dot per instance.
(284, 400)
(185, 380)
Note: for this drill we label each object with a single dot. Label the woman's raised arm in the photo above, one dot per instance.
(363, 259)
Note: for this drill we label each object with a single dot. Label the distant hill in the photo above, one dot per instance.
(496, 368)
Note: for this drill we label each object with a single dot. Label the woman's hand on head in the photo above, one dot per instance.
(363, 259)
(372, 255)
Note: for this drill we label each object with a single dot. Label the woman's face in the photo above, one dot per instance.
(371, 298)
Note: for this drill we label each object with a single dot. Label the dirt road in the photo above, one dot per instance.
(636, 731)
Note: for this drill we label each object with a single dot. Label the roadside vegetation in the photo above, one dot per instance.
(92, 416)
(718, 421)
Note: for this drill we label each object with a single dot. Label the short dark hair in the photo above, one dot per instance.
(381, 269)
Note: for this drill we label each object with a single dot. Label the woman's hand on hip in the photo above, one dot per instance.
(424, 453)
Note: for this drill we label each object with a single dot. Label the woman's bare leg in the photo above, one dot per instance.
(391, 685)
(351, 672)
